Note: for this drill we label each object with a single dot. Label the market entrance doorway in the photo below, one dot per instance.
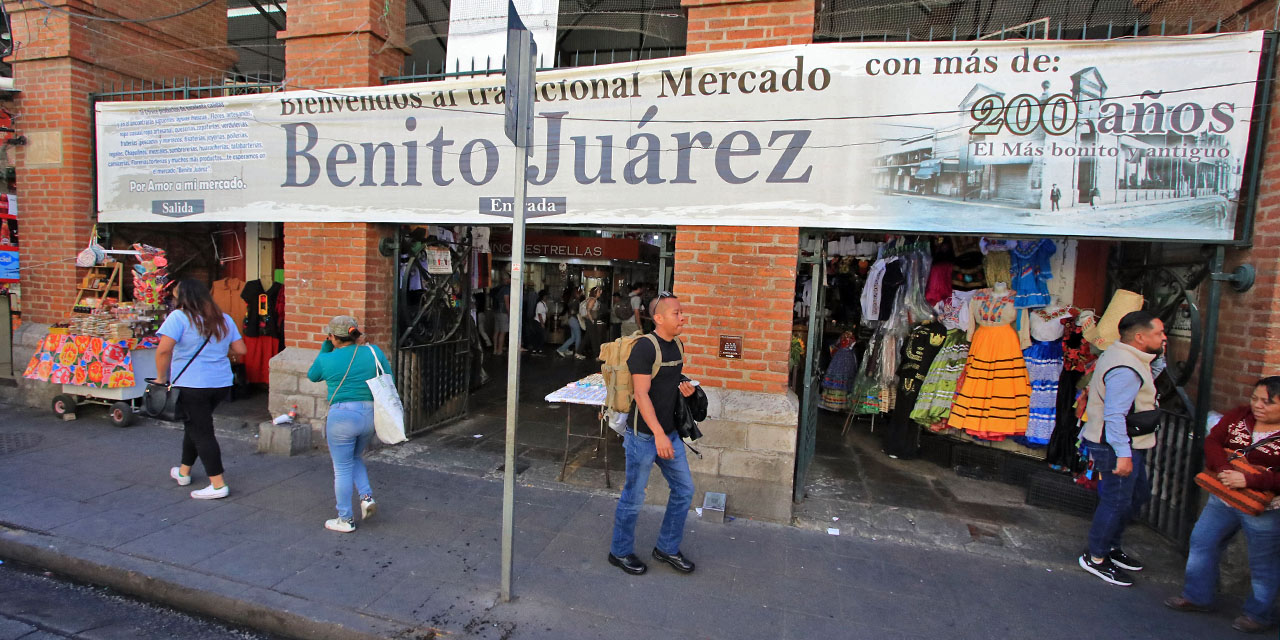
(436, 342)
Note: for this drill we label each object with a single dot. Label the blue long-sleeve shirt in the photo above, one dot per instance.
(1122, 386)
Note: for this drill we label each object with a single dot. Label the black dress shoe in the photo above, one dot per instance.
(676, 560)
(629, 563)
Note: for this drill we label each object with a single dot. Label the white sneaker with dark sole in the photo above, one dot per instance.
(209, 493)
(340, 525)
(181, 479)
(1106, 570)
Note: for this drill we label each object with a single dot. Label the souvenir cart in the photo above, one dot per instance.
(106, 350)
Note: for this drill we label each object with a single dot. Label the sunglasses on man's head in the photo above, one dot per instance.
(666, 294)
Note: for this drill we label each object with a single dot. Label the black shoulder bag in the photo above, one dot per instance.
(160, 401)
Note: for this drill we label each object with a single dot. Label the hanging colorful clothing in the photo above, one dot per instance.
(1032, 272)
(1044, 366)
(938, 391)
(993, 400)
(953, 312)
(939, 287)
(837, 383)
(1077, 358)
(998, 267)
(902, 438)
(967, 273)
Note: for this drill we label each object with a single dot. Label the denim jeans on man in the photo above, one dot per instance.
(1214, 530)
(575, 337)
(1119, 498)
(641, 454)
(349, 429)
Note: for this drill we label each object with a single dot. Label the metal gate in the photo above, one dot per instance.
(807, 433)
(436, 342)
(1172, 283)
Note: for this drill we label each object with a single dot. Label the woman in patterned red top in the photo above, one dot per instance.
(1218, 522)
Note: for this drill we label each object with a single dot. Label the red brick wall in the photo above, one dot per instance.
(740, 280)
(335, 268)
(737, 281)
(59, 61)
(1249, 329)
(718, 25)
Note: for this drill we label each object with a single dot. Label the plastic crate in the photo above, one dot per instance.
(1058, 491)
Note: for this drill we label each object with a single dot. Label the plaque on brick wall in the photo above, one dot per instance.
(731, 347)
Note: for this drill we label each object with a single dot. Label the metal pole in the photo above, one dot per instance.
(1204, 385)
(513, 370)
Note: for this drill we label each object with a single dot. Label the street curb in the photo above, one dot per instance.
(195, 592)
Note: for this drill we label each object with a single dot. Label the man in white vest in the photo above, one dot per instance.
(1123, 383)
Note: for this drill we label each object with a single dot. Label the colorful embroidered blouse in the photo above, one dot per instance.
(991, 309)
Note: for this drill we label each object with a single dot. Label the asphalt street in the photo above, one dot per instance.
(36, 605)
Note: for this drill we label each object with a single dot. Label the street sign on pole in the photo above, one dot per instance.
(521, 53)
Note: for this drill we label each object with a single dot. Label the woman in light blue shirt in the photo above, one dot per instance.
(195, 341)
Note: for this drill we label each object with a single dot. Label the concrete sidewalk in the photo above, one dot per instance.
(94, 502)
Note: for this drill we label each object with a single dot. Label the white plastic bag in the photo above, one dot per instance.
(388, 413)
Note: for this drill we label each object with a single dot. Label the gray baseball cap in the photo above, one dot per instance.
(343, 326)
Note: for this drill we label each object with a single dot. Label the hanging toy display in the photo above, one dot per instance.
(150, 275)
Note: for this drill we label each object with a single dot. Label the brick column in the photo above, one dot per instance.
(718, 25)
(1249, 323)
(59, 60)
(741, 281)
(334, 268)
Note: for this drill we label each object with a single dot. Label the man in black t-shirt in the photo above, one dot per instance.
(652, 438)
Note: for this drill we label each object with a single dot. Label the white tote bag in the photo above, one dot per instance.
(388, 413)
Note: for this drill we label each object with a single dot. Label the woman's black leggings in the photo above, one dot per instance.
(198, 439)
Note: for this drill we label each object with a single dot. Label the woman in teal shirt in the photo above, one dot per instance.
(345, 365)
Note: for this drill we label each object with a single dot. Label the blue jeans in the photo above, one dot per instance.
(348, 430)
(1218, 523)
(1119, 499)
(575, 336)
(642, 453)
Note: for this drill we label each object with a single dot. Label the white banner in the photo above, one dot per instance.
(1139, 138)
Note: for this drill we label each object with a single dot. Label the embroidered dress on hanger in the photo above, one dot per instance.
(933, 405)
(1044, 365)
(1077, 358)
(902, 438)
(837, 384)
(1032, 272)
(994, 397)
(872, 291)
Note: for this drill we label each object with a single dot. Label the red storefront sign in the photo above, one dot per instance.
(570, 247)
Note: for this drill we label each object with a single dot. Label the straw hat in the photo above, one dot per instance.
(1107, 330)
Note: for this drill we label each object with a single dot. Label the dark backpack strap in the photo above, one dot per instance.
(1240, 453)
(174, 380)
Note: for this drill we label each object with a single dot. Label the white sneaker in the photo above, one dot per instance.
(579, 356)
(340, 525)
(182, 480)
(368, 508)
(209, 493)
(562, 354)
